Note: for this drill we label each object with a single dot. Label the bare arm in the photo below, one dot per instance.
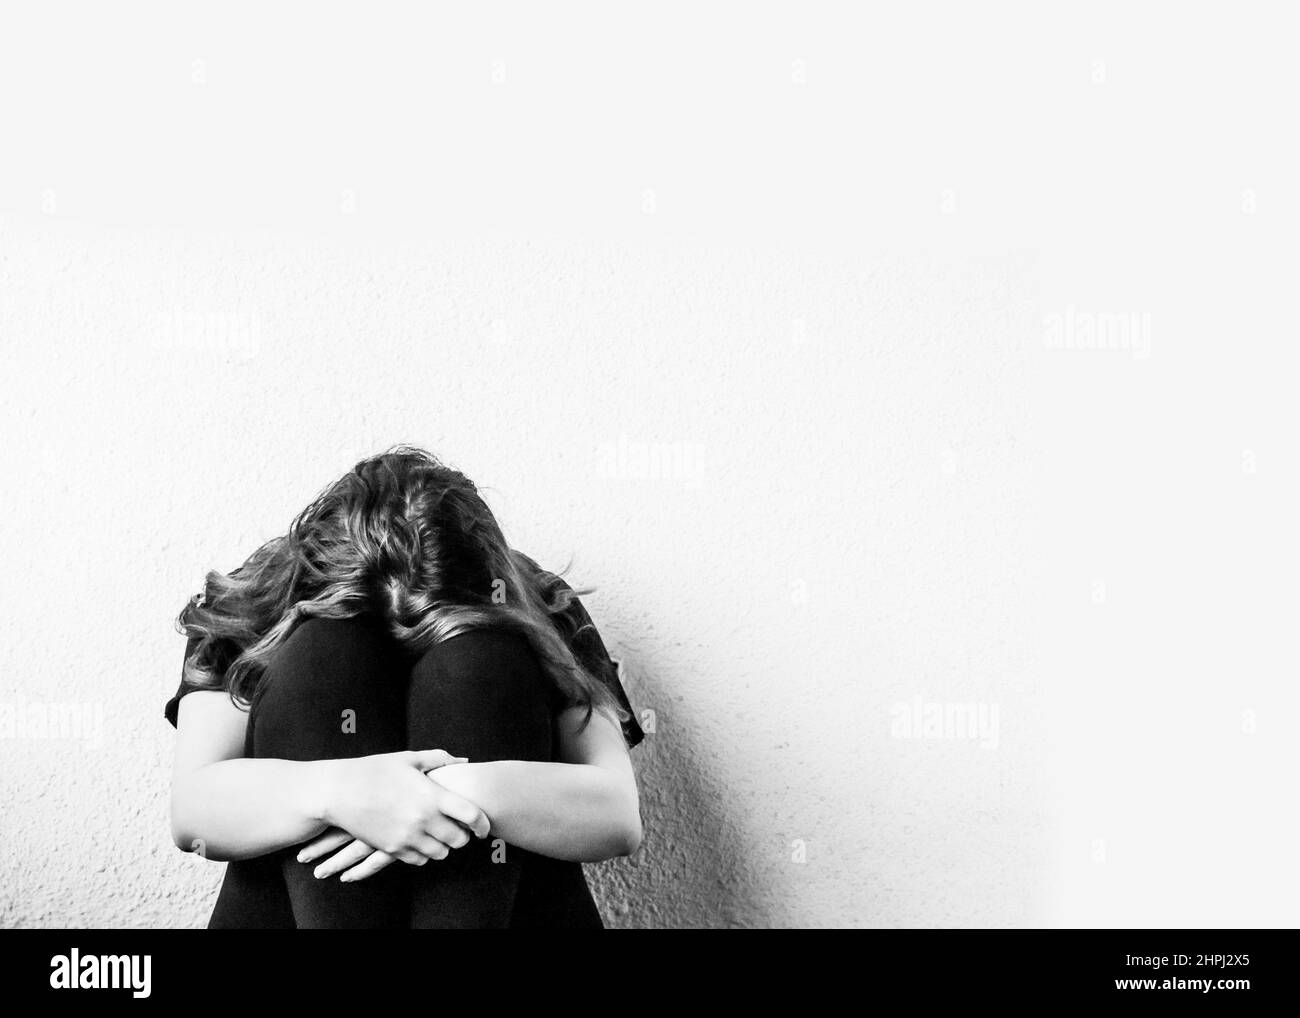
(226, 806)
(584, 809)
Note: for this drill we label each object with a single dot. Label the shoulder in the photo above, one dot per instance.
(186, 686)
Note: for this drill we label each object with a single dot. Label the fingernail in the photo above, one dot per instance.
(302, 856)
(345, 879)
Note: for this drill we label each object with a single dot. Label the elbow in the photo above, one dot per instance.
(632, 837)
(614, 844)
(618, 830)
(183, 833)
(629, 830)
(182, 837)
(631, 818)
(179, 832)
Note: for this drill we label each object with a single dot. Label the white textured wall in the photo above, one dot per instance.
(814, 258)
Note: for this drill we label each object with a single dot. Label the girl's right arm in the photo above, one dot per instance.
(226, 806)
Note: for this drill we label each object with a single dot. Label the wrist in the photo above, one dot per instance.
(472, 781)
(319, 790)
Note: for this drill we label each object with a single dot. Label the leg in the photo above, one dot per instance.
(336, 689)
(479, 695)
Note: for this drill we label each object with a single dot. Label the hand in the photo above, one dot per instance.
(354, 859)
(386, 803)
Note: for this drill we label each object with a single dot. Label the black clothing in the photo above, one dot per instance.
(480, 695)
(574, 624)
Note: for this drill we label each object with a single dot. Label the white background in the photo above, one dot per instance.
(817, 255)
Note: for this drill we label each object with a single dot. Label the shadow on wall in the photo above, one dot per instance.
(693, 868)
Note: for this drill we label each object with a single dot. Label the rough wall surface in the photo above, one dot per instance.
(758, 461)
(912, 382)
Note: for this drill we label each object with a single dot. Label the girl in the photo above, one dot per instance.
(388, 718)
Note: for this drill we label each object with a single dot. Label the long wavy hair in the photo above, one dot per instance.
(401, 538)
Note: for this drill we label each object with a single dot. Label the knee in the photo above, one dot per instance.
(486, 671)
(481, 694)
(323, 659)
(332, 644)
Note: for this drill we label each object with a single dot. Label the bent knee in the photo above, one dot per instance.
(492, 669)
(323, 657)
(334, 688)
(481, 695)
(322, 641)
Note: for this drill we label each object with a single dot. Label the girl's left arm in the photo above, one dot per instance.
(583, 809)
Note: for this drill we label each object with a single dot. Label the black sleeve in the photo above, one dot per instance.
(173, 705)
(577, 628)
(590, 650)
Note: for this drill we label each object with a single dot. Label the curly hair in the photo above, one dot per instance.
(401, 538)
